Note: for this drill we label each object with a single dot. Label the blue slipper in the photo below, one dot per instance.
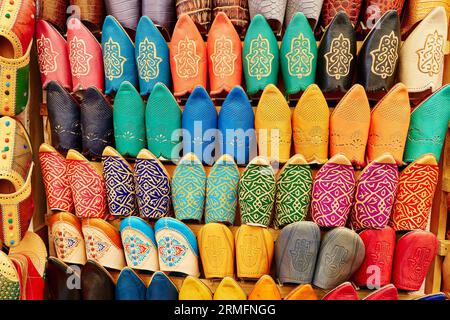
(129, 286)
(161, 288)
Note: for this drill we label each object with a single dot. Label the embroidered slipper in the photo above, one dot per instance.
(56, 181)
(129, 120)
(163, 123)
(260, 56)
(388, 292)
(118, 56)
(103, 244)
(127, 12)
(265, 289)
(331, 8)
(349, 126)
(188, 188)
(336, 56)
(162, 13)
(428, 125)
(296, 252)
(222, 191)
(194, 289)
(199, 123)
(229, 289)
(257, 192)
(216, 244)
(273, 125)
(87, 185)
(272, 10)
(310, 122)
(333, 192)
(152, 57)
(294, 182)
(177, 247)
(138, 240)
(96, 282)
(380, 245)
(310, 8)
(161, 288)
(345, 291)
(341, 253)
(224, 56)
(34, 248)
(32, 282)
(67, 237)
(302, 292)
(414, 254)
(254, 251)
(187, 57)
(375, 194)
(236, 124)
(9, 279)
(298, 55)
(416, 10)
(58, 274)
(53, 55)
(130, 286)
(389, 122)
(237, 12)
(415, 193)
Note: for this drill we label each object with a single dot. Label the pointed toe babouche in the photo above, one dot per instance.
(152, 57)
(9, 279)
(200, 118)
(139, 244)
(187, 57)
(272, 10)
(216, 245)
(31, 282)
(273, 125)
(379, 55)
(310, 122)
(189, 188)
(375, 194)
(331, 8)
(161, 288)
(236, 124)
(296, 252)
(96, 282)
(257, 192)
(294, 182)
(87, 185)
(222, 191)
(416, 10)
(58, 275)
(333, 192)
(344, 291)
(428, 39)
(310, 8)
(254, 251)
(194, 289)
(298, 55)
(336, 57)
(177, 247)
(428, 125)
(162, 13)
(440, 296)
(236, 11)
(129, 120)
(265, 289)
(388, 292)
(153, 190)
(118, 56)
(349, 126)
(67, 237)
(163, 123)
(129, 286)
(229, 289)
(198, 11)
(415, 194)
(224, 56)
(340, 255)
(302, 292)
(260, 56)
(389, 122)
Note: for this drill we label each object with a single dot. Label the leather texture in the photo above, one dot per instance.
(188, 57)
(429, 38)
(152, 57)
(53, 56)
(379, 55)
(388, 292)
(96, 282)
(236, 10)
(344, 291)
(336, 56)
(32, 283)
(310, 8)
(254, 251)
(129, 286)
(296, 250)
(229, 289)
(302, 292)
(35, 249)
(224, 50)
(91, 12)
(54, 11)
(416, 10)
(10, 279)
(125, 11)
(341, 253)
(265, 289)
(194, 289)
(331, 8)
(198, 10)
(428, 125)
(57, 275)
(161, 288)
(414, 255)
(440, 296)
(216, 245)
(298, 55)
(272, 10)
(162, 13)
(260, 56)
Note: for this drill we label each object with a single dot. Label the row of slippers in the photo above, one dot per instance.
(351, 129)
(76, 66)
(334, 197)
(301, 256)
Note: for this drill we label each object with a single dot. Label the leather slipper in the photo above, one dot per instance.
(388, 292)
(272, 10)
(58, 276)
(310, 8)
(9, 279)
(265, 289)
(161, 288)
(302, 292)
(129, 286)
(194, 289)
(331, 8)
(33, 247)
(344, 291)
(32, 282)
(162, 13)
(96, 282)
(229, 289)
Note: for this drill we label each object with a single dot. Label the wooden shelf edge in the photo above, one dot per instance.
(444, 248)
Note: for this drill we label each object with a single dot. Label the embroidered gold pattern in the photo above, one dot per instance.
(46, 55)
(79, 58)
(300, 57)
(223, 58)
(113, 60)
(430, 56)
(259, 59)
(148, 61)
(384, 59)
(187, 60)
(339, 57)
